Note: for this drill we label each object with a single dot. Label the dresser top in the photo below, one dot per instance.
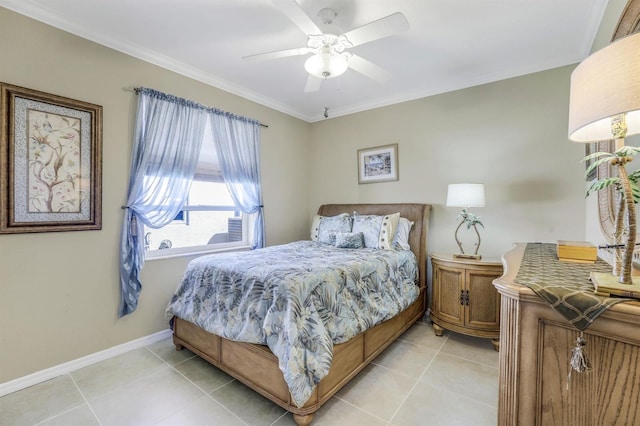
(512, 285)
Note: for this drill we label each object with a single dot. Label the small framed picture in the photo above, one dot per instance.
(51, 162)
(378, 164)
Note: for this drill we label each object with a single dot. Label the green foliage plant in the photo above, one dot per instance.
(626, 186)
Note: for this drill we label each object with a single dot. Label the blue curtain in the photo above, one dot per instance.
(167, 141)
(237, 142)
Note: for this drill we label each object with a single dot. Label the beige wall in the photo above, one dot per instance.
(510, 135)
(59, 291)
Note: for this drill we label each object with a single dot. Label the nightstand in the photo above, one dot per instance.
(464, 299)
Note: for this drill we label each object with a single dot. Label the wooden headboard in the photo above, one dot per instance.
(417, 213)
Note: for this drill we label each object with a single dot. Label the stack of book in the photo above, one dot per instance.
(577, 251)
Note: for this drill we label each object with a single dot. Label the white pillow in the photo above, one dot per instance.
(401, 239)
(378, 230)
(324, 228)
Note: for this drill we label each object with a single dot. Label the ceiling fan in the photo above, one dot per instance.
(330, 58)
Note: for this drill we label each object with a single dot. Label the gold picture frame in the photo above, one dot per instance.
(51, 157)
(378, 164)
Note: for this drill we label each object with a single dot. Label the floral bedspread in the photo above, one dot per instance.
(299, 299)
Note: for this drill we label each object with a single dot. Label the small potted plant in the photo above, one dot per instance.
(626, 186)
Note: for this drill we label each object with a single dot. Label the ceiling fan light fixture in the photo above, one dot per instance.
(326, 65)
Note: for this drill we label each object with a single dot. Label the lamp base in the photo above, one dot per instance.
(467, 256)
(608, 285)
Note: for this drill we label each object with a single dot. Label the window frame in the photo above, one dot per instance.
(212, 177)
(205, 248)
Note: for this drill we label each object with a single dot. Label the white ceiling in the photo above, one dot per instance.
(450, 44)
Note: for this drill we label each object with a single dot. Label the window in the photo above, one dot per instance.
(166, 143)
(209, 219)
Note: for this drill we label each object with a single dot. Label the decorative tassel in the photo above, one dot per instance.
(579, 361)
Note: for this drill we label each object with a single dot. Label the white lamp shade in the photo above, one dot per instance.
(326, 65)
(465, 195)
(604, 85)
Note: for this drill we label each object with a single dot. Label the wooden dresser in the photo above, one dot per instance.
(536, 343)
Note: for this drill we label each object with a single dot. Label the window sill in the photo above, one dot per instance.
(192, 251)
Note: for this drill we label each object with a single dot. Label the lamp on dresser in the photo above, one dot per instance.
(605, 104)
(466, 195)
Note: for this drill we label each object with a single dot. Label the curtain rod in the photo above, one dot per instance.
(136, 89)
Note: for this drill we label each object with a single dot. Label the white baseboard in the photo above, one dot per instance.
(61, 369)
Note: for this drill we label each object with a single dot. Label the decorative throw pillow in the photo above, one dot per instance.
(378, 230)
(324, 228)
(353, 240)
(401, 239)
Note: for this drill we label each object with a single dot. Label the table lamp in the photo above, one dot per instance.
(466, 195)
(604, 104)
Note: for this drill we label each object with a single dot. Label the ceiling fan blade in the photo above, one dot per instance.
(383, 27)
(313, 84)
(368, 69)
(279, 54)
(294, 12)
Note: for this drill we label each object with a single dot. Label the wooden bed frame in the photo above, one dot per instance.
(257, 367)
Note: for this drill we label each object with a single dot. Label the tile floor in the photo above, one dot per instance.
(420, 379)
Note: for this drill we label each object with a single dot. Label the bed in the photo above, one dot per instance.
(258, 367)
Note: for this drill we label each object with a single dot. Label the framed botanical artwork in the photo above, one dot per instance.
(378, 164)
(51, 162)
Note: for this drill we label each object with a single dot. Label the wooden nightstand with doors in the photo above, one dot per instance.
(464, 299)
